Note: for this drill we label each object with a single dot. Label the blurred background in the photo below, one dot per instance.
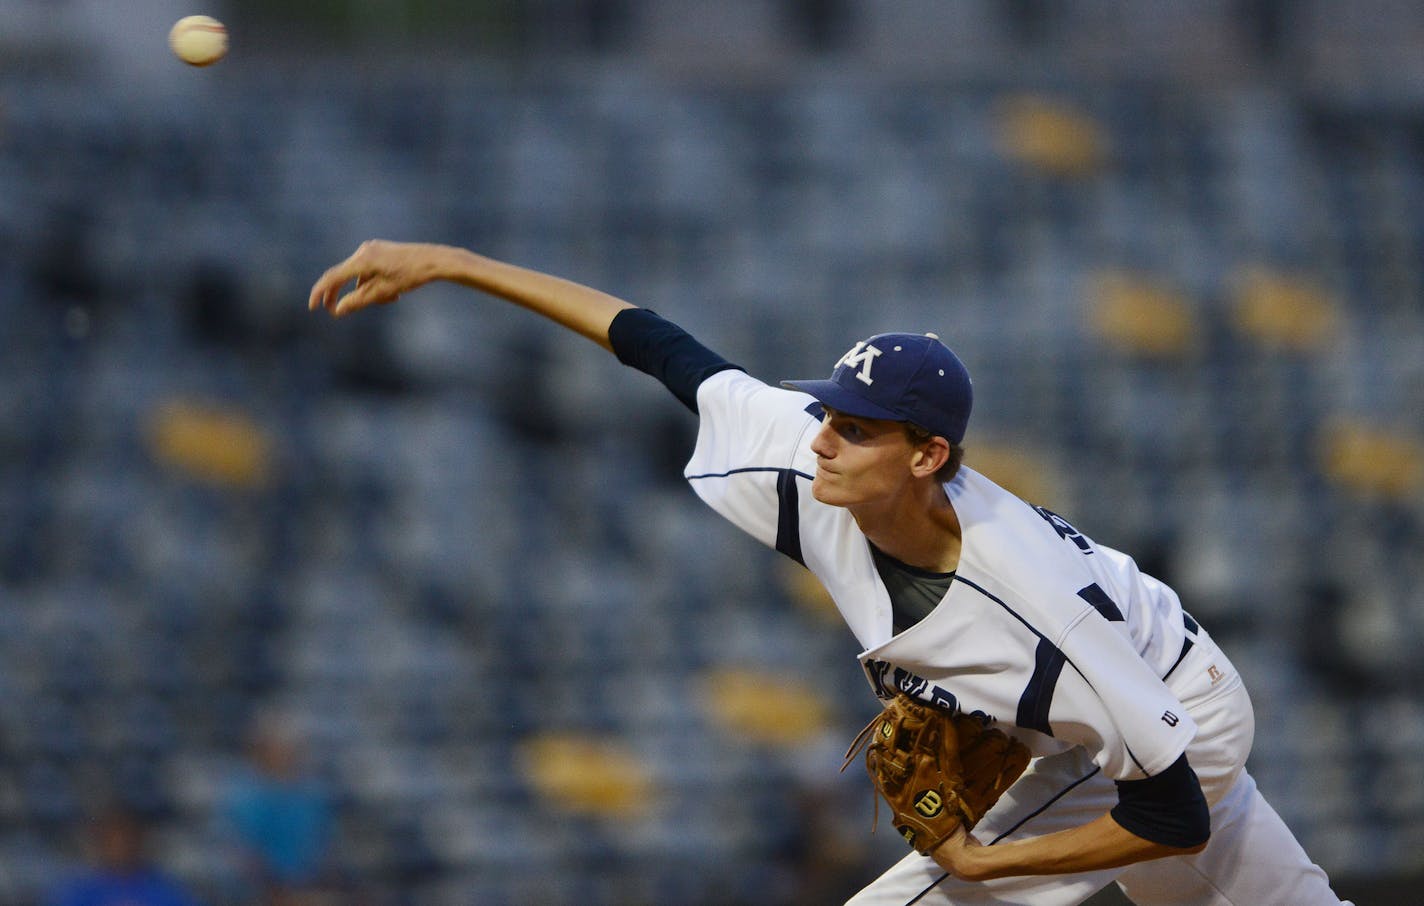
(415, 608)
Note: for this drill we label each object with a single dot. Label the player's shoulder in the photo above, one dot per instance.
(1020, 544)
(737, 391)
(747, 425)
(988, 510)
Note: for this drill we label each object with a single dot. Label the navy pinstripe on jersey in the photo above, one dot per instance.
(788, 522)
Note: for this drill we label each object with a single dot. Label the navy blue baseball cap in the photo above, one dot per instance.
(903, 377)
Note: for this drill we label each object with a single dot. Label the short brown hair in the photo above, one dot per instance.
(918, 435)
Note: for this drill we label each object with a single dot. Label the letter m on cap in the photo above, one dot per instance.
(861, 356)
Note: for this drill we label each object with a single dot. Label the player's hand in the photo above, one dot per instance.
(379, 272)
(958, 855)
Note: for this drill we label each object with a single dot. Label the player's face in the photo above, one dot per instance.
(860, 460)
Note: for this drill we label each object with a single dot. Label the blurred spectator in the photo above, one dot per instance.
(122, 874)
(280, 817)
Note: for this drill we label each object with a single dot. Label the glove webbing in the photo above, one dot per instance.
(862, 739)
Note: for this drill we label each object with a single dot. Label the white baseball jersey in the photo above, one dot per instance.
(1061, 640)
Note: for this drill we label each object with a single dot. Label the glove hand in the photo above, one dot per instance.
(939, 772)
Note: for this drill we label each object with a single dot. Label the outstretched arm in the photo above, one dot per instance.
(382, 271)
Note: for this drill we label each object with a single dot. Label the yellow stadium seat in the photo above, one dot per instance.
(1283, 311)
(586, 775)
(1142, 316)
(765, 708)
(1050, 137)
(802, 586)
(1372, 461)
(210, 444)
(1017, 470)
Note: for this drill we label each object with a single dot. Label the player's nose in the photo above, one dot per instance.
(823, 443)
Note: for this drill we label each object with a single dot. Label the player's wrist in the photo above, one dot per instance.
(450, 263)
(962, 856)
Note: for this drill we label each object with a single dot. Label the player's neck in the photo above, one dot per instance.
(921, 530)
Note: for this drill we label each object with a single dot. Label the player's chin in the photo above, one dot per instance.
(823, 489)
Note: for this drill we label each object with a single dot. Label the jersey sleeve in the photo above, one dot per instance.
(750, 436)
(643, 340)
(1088, 683)
(1113, 704)
(1169, 808)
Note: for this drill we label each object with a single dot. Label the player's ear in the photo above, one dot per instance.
(929, 456)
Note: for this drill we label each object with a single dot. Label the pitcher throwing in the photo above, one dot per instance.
(962, 596)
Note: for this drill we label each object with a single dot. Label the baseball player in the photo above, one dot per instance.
(961, 595)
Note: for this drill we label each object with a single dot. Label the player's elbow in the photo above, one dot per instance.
(1168, 810)
(1191, 830)
(1195, 838)
(1180, 834)
(1195, 829)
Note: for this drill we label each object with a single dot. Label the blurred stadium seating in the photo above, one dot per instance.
(1180, 252)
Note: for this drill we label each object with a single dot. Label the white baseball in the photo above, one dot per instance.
(198, 40)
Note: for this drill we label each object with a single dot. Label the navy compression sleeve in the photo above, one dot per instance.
(1169, 808)
(659, 347)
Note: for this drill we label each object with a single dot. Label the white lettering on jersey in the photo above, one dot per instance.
(862, 355)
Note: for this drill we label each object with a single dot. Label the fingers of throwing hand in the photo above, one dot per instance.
(367, 291)
(352, 301)
(327, 290)
(375, 277)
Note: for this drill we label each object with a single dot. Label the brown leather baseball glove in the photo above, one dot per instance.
(937, 770)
